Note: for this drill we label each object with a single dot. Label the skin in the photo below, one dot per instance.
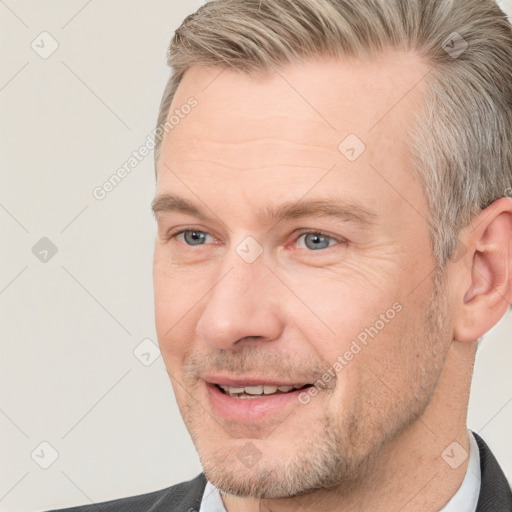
(373, 438)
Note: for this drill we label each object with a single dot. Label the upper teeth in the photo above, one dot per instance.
(258, 390)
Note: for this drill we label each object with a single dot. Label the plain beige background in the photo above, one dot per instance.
(70, 325)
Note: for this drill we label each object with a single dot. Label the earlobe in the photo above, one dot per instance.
(488, 296)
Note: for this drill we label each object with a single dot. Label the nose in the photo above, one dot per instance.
(243, 304)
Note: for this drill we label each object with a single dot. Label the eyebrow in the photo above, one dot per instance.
(345, 211)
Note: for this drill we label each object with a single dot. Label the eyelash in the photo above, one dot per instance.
(339, 241)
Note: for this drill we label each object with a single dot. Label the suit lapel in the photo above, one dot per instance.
(495, 494)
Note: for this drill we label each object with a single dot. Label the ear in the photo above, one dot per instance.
(485, 273)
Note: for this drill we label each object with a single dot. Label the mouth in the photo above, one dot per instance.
(253, 400)
(257, 391)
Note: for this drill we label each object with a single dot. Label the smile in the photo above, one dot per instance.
(255, 391)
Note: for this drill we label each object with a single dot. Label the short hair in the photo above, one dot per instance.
(461, 143)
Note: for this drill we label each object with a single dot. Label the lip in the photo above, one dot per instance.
(251, 409)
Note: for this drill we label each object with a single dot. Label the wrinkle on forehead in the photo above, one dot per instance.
(305, 109)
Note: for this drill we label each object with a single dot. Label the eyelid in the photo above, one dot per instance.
(339, 239)
(171, 234)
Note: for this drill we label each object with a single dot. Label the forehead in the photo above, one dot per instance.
(331, 94)
(281, 125)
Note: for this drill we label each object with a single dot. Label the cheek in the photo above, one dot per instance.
(175, 305)
(357, 332)
(174, 330)
(340, 308)
(176, 292)
(371, 374)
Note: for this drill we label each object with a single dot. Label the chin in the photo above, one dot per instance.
(251, 469)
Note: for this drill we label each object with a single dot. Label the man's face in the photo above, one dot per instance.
(247, 299)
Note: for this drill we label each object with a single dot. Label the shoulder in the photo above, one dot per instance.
(183, 497)
(495, 493)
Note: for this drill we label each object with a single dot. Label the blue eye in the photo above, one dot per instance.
(316, 241)
(311, 240)
(192, 237)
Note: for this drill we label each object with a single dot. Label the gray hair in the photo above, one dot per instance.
(462, 142)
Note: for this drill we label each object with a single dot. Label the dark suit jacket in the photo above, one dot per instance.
(495, 494)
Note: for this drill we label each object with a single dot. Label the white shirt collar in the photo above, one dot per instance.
(464, 500)
(211, 502)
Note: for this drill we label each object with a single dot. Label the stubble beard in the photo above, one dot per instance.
(337, 457)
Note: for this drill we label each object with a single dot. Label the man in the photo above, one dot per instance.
(334, 237)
